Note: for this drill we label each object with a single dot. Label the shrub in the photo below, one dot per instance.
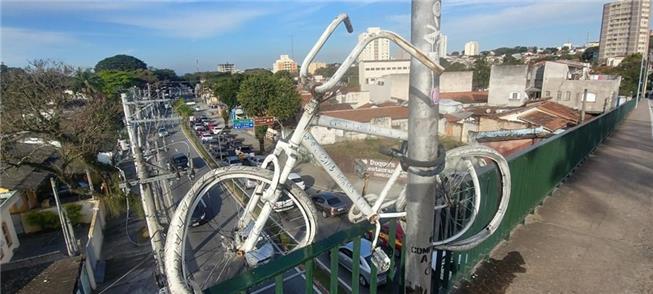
(74, 212)
(47, 220)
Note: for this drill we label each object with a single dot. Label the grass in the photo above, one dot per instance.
(198, 146)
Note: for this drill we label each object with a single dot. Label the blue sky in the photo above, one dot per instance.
(176, 34)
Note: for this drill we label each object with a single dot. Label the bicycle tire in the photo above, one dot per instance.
(174, 251)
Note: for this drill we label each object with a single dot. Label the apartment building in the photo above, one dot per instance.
(378, 49)
(227, 67)
(624, 30)
(472, 48)
(284, 63)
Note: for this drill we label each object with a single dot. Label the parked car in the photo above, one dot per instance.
(163, 132)
(297, 179)
(200, 214)
(384, 237)
(198, 127)
(179, 162)
(255, 160)
(206, 137)
(263, 250)
(232, 160)
(345, 258)
(330, 203)
(216, 130)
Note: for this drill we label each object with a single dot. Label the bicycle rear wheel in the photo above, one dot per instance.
(213, 247)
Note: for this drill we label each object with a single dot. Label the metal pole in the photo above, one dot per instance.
(147, 198)
(639, 83)
(582, 109)
(90, 183)
(167, 196)
(422, 146)
(645, 86)
(68, 235)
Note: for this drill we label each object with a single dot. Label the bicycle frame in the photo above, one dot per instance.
(302, 135)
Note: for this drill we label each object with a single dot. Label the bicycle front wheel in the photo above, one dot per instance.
(211, 239)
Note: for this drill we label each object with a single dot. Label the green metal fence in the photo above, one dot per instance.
(535, 173)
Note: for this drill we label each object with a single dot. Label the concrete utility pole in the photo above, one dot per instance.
(582, 109)
(66, 226)
(422, 146)
(147, 198)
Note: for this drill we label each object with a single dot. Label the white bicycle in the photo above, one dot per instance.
(261, 209)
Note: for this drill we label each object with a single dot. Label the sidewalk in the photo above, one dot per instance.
(594, 235)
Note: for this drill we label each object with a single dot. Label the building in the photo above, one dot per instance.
(378, 49)
(508, 85)
(471, 48)
(443, 45)
(387, 115)
(284, 63)
(370, 71)
(624, 30)
(314, 66)
(226, 67)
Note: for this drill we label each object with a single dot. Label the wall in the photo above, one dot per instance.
(7, 227)
(93, 248)
(354, 98)
(604, 90)
(456, 81)
(326, 136)
(493, 124)
(504, 80)
(370, 71)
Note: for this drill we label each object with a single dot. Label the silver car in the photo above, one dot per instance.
(345, 255)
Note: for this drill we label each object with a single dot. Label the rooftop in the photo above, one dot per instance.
(466, 97)
(365, 115)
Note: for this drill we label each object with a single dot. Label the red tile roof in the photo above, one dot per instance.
(548, 121)
(365, 115)
(466, 97)
(560, 110)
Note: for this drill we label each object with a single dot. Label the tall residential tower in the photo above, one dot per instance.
(624, 30)
(378, 49)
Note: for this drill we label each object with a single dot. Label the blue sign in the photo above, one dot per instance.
(243, 123)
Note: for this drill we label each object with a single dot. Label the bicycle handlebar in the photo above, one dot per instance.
(362, 43)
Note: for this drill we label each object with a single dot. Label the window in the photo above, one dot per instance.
(559, 96)
(547, 94)
(591, 97)
(514, 95)
(346, 252)
(568, 96)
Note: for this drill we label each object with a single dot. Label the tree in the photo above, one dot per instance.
(36, 105)
(264, 94)
(456, 66)
(113, 82)
(509, 60)
(481, 73)
(165, 74)
(590, 54)
(284, 74)
(87, 82)
(455, 53)
(327, 71)
(226, 89)
(120, 62)
(628, 69)
(182, 108)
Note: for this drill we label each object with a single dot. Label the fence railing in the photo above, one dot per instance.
(535, 173)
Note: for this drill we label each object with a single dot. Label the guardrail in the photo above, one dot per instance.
(536, 173)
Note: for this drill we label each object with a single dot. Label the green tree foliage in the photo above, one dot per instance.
(259, 132)
(182, 108)
(87, 82)
(74, 212)
(226, 89)
(455, 53)
(114, 82)
(481, 73)
(628, 69)
(165, 74)
(509, 60)
(327, 71)
(284, 74)
(510, 51)
(120, 62)
(46, 220)
(264, 94)
(456, 66)
(590, 54)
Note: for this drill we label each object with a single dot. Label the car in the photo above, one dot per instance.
(255, 160)
(246, 150)
(198, 127)
(297, 179)
(163, 132)
(330, 203)
(197, 108)
(179, 162)
(263, 250)
(200, 214)
(232, 161)
(345, 258)
(216, 130)
(206, 137)
(384, 237)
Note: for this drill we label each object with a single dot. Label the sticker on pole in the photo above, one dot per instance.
(435, 95)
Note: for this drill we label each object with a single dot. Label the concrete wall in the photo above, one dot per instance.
(326, 136)
(370, 71)
(87, 214)
(505, 80)
(456, 81)
(354, 98)
(9, 244)
(93, 248)
(494, 124)
(570, 92)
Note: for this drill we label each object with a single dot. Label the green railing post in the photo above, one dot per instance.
(373, 282)
(308, 269)
(392, 238)
(333, 281)
(278, 284)
(356, 264)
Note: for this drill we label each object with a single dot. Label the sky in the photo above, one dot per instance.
(190, 35)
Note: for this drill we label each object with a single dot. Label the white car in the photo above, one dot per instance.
(206, 137)
(163, 132)
(198, 127)
(216, 130)
(297, 179)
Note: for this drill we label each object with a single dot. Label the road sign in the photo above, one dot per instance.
(243, 123)
(264, 121)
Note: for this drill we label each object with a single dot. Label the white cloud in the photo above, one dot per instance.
(192, 24)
